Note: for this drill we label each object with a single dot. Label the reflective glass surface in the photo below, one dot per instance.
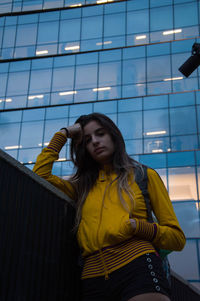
(95, 27)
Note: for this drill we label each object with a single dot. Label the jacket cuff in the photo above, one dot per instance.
(145, 229)
(57, 142)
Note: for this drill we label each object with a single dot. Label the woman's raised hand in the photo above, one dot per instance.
(74, 132)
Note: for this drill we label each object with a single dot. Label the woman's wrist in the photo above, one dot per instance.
(65, 132)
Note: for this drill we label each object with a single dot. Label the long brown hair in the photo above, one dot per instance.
(87, 169)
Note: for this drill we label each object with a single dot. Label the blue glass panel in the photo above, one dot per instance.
(67, 168)
(181, 143)
(40, 81)
(48, 32)
(63, 79)
(153, 161)
(182, 99)
(86, 76)
(18, 83)
(186, 84)
(56, 169)
(8, 117)
(110, 74)
(186, 14)
(159, 87)
(42, 63)
(198, 116)
(92, 11)
(161, 18)
(49, 16)
(26, 34)
(1, 36)
(3, 81)
(9, 36)
(4, 67)
(134, 5)
(156, 123)
(64, 61)
(51, 127)
(154, 3)
(26, 19)
(28, 155)
(87, 58)
(133, 52)
(182, 46)
(156, 145)
(178, 117)
(133, 146)
(137, 21)
(130, 124)
(154, 102)
(38, 100)
(11, 20)
(71, 13)
(111, 93)
(30, 138)
(12, 153)
(20, 66)
(92, 27)
(69, 30)
(197, 97)
(134, 104)
(133, 90)
(158, 68)
(33, 5)
(109, 56)
(114, 25)
(188, 217)
(57, 112)
(134, 71)
(2, 21)
(82, 109)
(52, 3)
(158, 49)
(9, 136)
(114, 8)
(198, 158)
(105, 107)
(35, 114)
(183, 263)
(181, 159)
(85, 95)
(16, 102)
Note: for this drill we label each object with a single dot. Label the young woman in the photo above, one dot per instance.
(118, 243)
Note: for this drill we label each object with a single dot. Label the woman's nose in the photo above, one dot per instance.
(95, 140)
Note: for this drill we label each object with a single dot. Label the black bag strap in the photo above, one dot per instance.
(141, 179)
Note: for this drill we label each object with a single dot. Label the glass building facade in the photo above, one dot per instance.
(60, 59)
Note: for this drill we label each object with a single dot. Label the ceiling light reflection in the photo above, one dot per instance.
(72, 47)
(39, 52)
(171, 31)
(141, 37)
(67, 93)
(101, 89)
(30, 97)
(172, 78)
(13, 147)
(155, 133)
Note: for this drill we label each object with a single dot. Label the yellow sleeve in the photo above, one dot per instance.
(169, 234)
(44, 164)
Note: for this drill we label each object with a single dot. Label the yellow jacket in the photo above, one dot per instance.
(105, 221)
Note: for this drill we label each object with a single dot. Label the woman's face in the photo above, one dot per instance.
(99, 143)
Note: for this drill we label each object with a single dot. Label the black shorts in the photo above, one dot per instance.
(143, 275)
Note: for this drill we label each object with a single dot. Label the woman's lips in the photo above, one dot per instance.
(98, 150)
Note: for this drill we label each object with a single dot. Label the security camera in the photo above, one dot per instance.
(193, 62)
